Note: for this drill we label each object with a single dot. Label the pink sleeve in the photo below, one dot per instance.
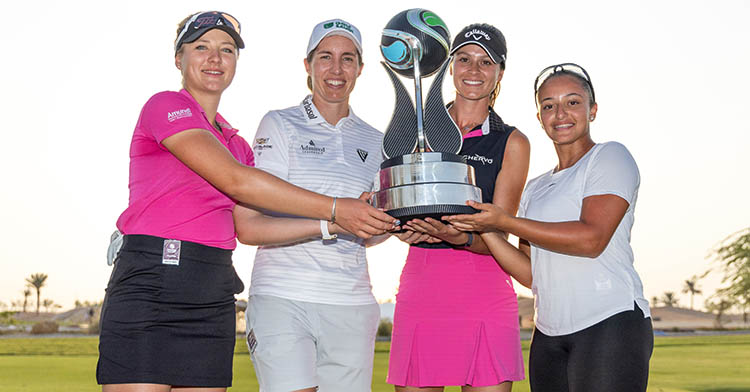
(250, 157)
(168, 113)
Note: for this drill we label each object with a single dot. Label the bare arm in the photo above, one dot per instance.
(587, 237)
(255, 228)
(514, 261)
(204, 154)
(511, 179)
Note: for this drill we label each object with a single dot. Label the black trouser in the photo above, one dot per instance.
(609, 356)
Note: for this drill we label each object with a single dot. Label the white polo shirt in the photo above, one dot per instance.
(572, 293)
(299, 146)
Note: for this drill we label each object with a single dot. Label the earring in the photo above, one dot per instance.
(591, 118)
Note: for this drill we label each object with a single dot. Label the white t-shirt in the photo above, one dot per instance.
(572, 293)
(299, 146)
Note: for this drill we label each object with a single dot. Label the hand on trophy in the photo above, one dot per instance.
(437, 229)
(489, 218)
(414, 237)
(361, 219)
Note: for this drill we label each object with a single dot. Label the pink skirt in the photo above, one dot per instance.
(455, 323)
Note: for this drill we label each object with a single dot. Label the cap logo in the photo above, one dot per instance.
(206, 21)
(345, 26)
(477, 34)
(328, 25)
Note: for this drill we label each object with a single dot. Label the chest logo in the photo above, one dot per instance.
(362, 154)
(479, 158)
(311, 148)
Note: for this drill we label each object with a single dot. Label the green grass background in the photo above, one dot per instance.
(699, 364)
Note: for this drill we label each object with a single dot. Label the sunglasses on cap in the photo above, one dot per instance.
(564, 67)
(202, 22)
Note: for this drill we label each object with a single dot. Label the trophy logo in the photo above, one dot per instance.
(422, 175)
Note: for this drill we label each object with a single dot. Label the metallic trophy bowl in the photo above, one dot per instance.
(422, 175)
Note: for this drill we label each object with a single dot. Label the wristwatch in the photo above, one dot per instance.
(324, 231)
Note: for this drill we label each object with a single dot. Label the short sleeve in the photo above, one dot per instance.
(271, 146)
(523, 205)
(613, 171)
(168, 113)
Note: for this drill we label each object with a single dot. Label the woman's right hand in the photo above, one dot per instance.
(489, 218)
(361, 219)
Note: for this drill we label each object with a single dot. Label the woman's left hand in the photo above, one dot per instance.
(438, 229)
(489, 218)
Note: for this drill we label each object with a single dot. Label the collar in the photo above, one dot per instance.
(486, 125)
(226, 128)
(310, 112)
(313, 116)
(485, 129)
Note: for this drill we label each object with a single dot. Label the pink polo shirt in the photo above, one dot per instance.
(167, 199)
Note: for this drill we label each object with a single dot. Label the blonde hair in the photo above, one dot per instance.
(180, 27)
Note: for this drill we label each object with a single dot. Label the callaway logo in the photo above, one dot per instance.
(477, 34)
(310, 148)
(307, 104)
(362, 154)
(479, 158)
(178, 114)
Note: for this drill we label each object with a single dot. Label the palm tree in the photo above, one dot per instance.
(691, 286)
(37, 280)
(49, 304)
(26, 295)
(720, 306)
(669, 299)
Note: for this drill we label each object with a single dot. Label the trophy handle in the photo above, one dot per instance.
(401, 135)
(440, 131)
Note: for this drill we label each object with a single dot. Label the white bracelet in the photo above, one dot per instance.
(324, 231)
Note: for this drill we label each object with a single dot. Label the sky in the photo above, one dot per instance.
(670, 78)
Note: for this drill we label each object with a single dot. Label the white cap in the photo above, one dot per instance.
(334, 27)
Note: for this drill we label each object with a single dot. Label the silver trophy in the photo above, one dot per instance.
(422, 175)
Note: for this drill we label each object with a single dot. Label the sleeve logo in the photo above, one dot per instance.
(178, 114)
(262, 143)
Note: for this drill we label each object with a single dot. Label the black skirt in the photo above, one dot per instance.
(167, 323)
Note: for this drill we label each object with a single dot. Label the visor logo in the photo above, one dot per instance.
(206, 21)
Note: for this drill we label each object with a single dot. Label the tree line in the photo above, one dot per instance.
(731, 258)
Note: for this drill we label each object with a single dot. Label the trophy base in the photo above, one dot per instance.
(434, 211)
(429, 184)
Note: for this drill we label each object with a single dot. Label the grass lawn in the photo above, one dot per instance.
(699, 364)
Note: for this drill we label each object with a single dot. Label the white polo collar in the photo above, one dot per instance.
(313, 116)
(310, 112)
